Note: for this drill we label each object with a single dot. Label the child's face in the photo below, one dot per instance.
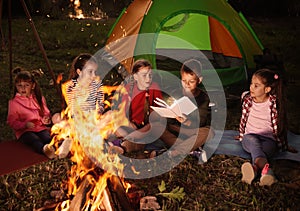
(88, 73)
(258, 90)
(25, 88)
(143, 78)
(189, 82)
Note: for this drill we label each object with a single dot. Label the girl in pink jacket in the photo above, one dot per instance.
(28, 114)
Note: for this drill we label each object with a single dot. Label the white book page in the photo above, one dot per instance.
(181, 106)
(175, 107)
(185, 105)
(164, 112)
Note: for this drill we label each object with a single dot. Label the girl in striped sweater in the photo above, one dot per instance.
(82, 92)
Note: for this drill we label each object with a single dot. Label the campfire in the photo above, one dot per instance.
(95, 14)
(96, 177)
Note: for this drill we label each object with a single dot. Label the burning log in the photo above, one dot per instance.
(119, 194)
(114, 196)
(79, 200)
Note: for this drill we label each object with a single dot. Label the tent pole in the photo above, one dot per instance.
(42, 49)
(1, 31)
(251, 30)
(10, 43)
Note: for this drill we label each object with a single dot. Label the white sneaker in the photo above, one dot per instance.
(248, 172)
(267, 176)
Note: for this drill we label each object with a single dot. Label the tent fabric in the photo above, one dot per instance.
(187, 31)
(212, 35)
(129, 24)
(224, 42)
(208, 25)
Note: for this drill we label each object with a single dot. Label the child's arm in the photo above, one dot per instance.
(46, 118)
(13, 117)
(46, 109)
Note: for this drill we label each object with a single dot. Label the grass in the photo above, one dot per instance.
(214, 185)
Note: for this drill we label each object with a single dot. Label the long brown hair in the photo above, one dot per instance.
(79, 63)
(26, 76)
(272, 79)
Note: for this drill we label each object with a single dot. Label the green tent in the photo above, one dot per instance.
(211, 31)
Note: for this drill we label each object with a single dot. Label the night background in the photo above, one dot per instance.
(215, 185)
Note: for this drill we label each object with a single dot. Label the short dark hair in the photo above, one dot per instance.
(192, 66)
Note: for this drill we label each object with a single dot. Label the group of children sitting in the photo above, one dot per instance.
(262, 127)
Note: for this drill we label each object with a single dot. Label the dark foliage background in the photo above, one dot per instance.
(215, 185)
(60, 8)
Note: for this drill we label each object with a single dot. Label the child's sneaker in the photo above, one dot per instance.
(49, 151)
(200, 155)
(249, 172)
(267, 176)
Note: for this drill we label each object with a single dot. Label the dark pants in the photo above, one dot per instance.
(36, 140)
(259, 146)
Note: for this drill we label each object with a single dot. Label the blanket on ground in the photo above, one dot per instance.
(224, 143)
(15, 156)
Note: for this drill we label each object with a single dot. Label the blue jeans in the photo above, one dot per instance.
(259, 146)
(36, 140)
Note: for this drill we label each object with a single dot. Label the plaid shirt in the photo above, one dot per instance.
(247, 104)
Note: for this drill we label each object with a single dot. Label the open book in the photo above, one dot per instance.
(181, 106)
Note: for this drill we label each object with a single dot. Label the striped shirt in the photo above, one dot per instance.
(86, 99)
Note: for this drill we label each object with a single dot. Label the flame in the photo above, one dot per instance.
(97, 14)
(109, 89)
(127, 186)
(88, 132)
(77, 9)
(59, 78)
